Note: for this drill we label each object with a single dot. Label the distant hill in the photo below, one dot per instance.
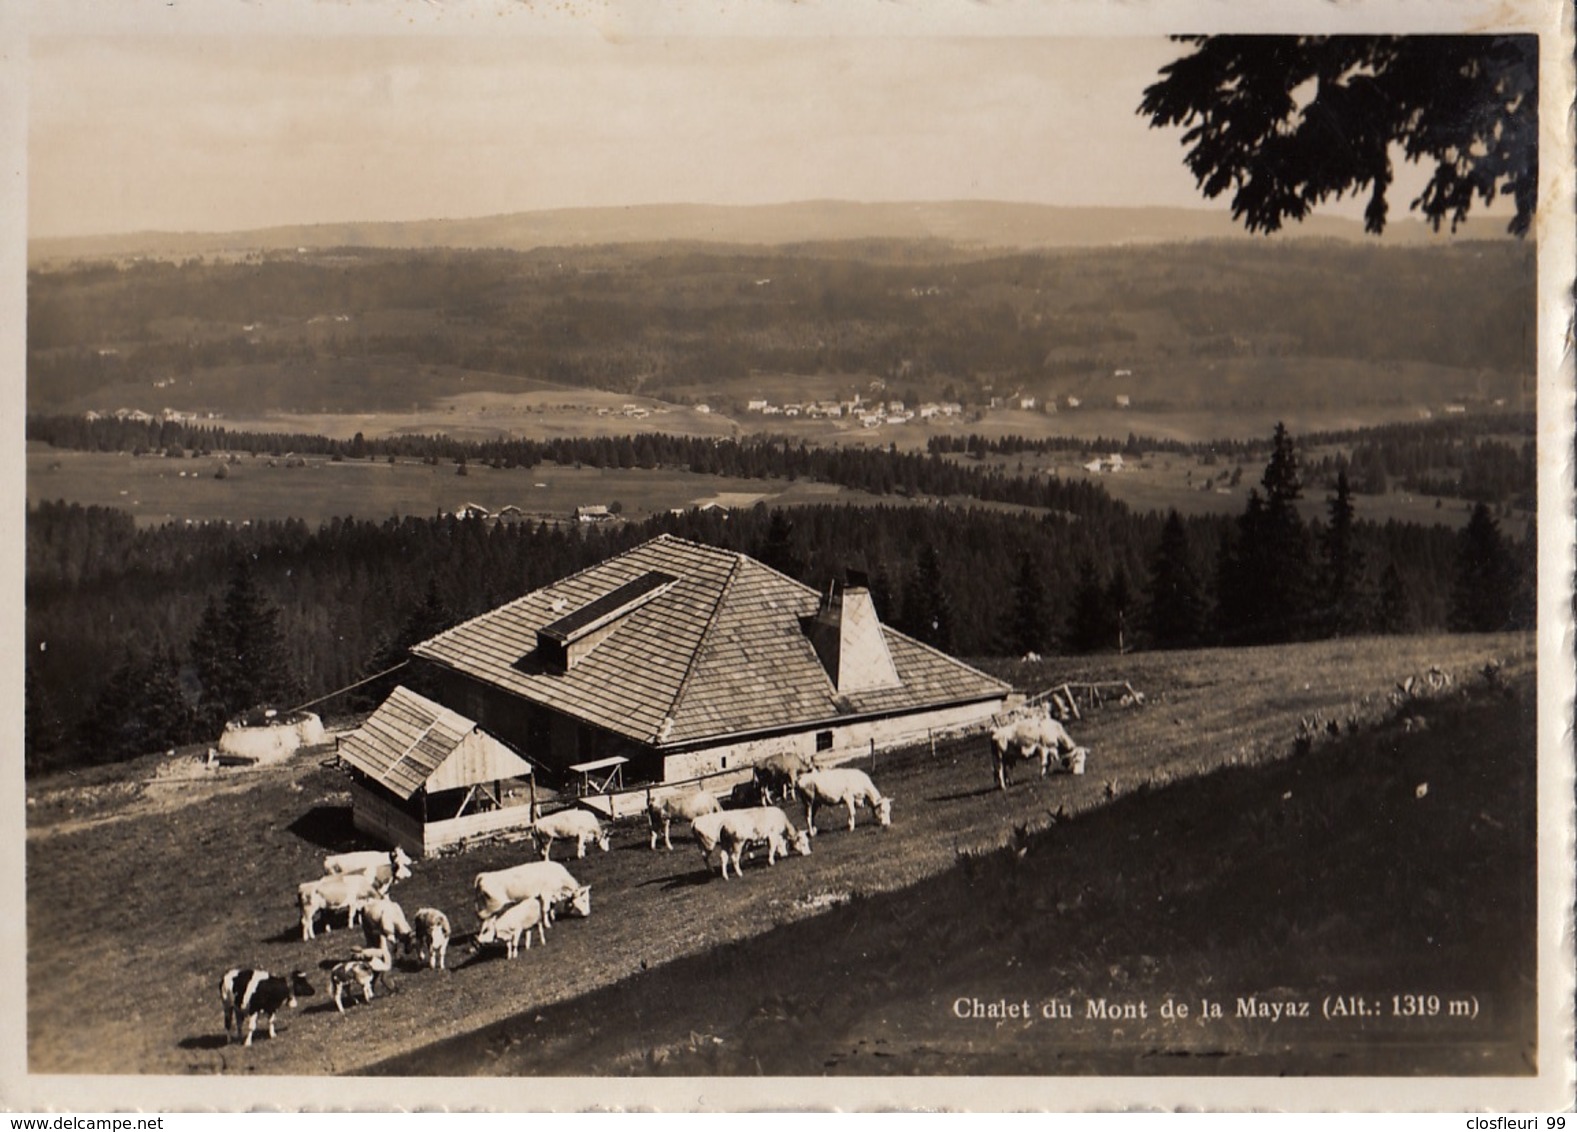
(983, 224)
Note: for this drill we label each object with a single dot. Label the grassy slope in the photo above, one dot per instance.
(170, 899)
(1326, 875)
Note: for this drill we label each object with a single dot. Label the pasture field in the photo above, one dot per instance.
(155, 490)
(1199, 856)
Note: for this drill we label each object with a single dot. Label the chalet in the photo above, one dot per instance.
(684, 660)
(593, 513)
(424, 777)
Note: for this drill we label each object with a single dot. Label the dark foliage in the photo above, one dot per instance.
(1467, 104)
(1486, 577)
(1174, 616)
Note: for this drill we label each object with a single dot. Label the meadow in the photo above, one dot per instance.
(157, 489)
(1204, 818)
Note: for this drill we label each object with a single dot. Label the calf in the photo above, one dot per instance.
(843, 786)
(339, 892)
(248, 994)
(776, 775)
(359, 973)
(665, 810)
(432, 936)
(581, 825)
(513, 922)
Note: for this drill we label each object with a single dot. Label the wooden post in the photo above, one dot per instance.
(873, 754)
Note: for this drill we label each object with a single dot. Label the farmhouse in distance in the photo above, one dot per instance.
(687, 660)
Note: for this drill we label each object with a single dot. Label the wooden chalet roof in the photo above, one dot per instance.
(411, 742)
(719, 652)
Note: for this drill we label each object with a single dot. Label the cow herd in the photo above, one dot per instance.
(513, 903)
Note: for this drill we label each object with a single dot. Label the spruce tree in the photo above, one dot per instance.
(928, 607)
(1029, 629)
(1174, 606)
(1481, 600)
(1342, 565)
(1087, 628)
(239, 651)
(1265, 587)
(1396, 604)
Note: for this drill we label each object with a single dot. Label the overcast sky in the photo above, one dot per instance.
(214, 133)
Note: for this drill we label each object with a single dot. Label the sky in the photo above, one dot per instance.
(214, 132)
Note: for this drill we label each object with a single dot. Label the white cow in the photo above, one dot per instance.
(394, 864)
(432, 937)
(345, 892)
(548, 879)
(1035, 737)
(731, 831)
(843, 786)
(513, 922)
(580, 825)
(664, 811)
(383, 923)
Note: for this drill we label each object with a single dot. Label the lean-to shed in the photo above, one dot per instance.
(424, 777)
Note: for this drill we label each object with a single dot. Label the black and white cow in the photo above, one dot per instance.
(248, 994)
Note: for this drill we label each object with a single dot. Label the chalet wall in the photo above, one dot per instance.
(848, 741)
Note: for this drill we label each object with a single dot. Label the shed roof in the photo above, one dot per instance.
(719, 652)
(411, 742)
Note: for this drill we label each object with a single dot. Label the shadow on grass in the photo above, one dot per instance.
(206, 1041)
(962, 794)
(325, 827)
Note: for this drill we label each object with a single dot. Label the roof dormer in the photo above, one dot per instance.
(564, 643)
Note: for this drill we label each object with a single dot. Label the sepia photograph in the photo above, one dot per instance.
(1008, 557)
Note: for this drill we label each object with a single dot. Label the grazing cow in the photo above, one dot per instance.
(776, 775)
(1039, 737)
(345, 892)
(581, 825)
(370, 965)
(548, 879)
(383, 922)
(394, 864)
(843, 786)
(513, 922)
(248, 994)
(731, 831)
(432, 937)
(683, 807)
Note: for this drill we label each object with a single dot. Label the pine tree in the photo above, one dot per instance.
(43, 733)
(1481, 600)
(1119, 597)
(141, 708)
(1342, 562)
(928, 606)
(425, 620)
(1396, 605)
(239, 650)
(1087, 620)
(1029, 629)
(1174, 610)
(1265, 584)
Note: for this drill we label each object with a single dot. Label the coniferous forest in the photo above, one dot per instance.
(140, 639)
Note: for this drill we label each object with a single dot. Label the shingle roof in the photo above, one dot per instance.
(720, 652)
(404, 742)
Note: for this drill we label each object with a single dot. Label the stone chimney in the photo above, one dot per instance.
(848, 639)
